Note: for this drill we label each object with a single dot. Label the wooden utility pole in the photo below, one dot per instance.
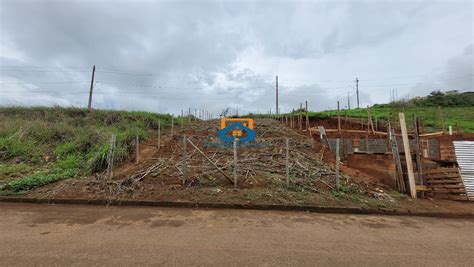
(89, 106)
(406, 148)
(276, 89)
(357, 91)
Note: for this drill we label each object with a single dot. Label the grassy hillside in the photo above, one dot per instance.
(461, 118)
(43, 145)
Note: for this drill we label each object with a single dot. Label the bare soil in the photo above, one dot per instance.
(261, 174)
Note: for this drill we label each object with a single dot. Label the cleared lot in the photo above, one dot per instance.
(83, 235)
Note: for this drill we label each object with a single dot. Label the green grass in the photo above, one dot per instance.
(42, 145)
(461, 118)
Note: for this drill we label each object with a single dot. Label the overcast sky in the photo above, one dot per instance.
(171, 55)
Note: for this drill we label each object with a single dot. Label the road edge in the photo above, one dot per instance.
(249, 206)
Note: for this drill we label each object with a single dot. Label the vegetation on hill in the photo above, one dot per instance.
(42, 145)
(438, 98)
(436, 111)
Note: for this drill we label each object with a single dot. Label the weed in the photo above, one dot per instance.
(64, 169)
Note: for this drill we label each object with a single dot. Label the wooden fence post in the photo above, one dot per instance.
(338, 119)
(307, 117)
(182, 119)
(338, 179)
(172, 126)
(190, 115)
(110, 158)
(159, 134)
(235, 163)
(137, 148)
(287, 162)
(185, 164)
(406, 148)
(419, 161)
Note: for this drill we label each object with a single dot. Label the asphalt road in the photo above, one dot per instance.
(32, 234)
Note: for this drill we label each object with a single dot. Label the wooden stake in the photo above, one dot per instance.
(300, 119)
(137, 148)
(182, 119)
(307, 118)
(110, 158)
(338, 118)
(338, 182)
(210, 161)
(396, 158)
(172, 126)
(189, 115)
(406, 148)
(235, 163)
(287, 162)
(159, 134)
(419, 163)
(185, 163)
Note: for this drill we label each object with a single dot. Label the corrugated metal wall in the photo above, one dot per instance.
(465, 158)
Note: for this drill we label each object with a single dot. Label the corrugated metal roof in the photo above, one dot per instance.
(465, 158)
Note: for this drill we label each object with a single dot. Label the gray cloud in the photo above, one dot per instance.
(168, 56)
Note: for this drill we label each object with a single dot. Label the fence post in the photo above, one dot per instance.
(159, 134)
(137, 148)
(182, 119)
(287, 162)
(406, 148)
(338, 178)
(185, 164)
(110, 159)
(190, 115)
(172, 126)
(235, 163)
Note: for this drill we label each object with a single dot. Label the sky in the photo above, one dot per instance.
(168, 56)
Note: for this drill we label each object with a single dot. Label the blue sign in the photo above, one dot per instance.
(234, 128)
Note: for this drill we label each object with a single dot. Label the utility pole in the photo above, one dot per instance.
(89, 106)
(276, 87)
(357, 91)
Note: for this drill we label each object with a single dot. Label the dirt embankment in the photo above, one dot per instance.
(261, 172)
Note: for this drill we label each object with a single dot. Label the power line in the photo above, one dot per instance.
(43, 82)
